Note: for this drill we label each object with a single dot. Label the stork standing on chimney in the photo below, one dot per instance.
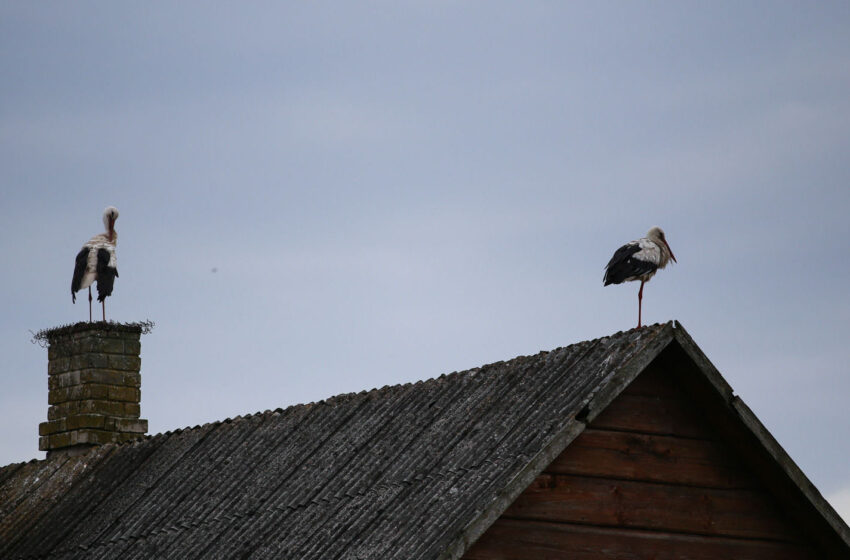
(639, 260)
(97, 261)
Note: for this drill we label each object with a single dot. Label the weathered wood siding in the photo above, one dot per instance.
(650, 478)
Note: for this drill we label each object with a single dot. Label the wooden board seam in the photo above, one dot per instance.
(647, 530)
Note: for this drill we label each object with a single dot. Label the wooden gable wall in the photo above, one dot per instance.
(650, 478)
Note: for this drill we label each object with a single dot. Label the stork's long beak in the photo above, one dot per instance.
(112, 228)
(672, 256)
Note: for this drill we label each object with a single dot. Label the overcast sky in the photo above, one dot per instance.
(320, 198)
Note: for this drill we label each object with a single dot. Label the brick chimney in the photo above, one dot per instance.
(94, 386)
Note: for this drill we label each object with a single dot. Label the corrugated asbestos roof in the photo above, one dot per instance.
(409, 471)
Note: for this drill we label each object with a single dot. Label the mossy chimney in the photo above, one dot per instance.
(94, 386)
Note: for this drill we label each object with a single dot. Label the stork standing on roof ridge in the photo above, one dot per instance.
(639, 260)
(97, 261)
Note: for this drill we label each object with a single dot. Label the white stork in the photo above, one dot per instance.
(639, 260)
(97, 261)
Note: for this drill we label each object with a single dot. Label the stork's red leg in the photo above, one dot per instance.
(89, 304)
(104, 310)
(640, 300)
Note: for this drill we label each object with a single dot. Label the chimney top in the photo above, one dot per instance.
(48, 336)
(94, 386)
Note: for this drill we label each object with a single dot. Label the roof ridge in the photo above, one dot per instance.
(342, 397)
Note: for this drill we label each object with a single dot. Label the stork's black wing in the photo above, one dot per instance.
(79, 271)
(105, 275)
(623, 265)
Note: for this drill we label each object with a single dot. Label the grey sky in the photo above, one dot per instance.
(390, 191)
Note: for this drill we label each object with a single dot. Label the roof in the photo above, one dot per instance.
(409, 471)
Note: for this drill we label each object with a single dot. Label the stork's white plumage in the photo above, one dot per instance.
(639, 260)
(96, 261)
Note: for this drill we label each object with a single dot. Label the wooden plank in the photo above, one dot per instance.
(654, 415)
(647, 505)
(525, 540)
(653, 458)
(655, 381)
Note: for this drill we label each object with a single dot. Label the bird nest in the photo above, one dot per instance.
(44, 336)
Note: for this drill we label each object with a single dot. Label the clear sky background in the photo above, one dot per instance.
(319, 198)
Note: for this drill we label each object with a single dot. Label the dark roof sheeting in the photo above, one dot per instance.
(409, 471)
(378, 474)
